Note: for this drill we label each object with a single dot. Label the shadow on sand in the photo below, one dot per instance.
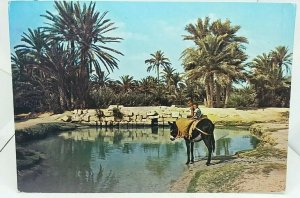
(216, 159)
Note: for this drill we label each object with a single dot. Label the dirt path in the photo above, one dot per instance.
(42, 118)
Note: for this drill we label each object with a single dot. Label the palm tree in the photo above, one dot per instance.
(146, 85)
(58, 64)
(181, 94)
(35, 42)
(218, 54)
(156, 61)
(29, 56)
(167, 75)
(48, 63)
(85, 30)
(126, 83)
(197, 31)
(268, 76)
(176, 78)
(202, 63)
(282, 59)
(100, 81)
(264, 75)
(29, 96)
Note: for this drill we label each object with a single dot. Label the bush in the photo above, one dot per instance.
(117, 113)
(241, 98)
(103, 97)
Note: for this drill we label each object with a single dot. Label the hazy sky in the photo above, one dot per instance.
(148, 27)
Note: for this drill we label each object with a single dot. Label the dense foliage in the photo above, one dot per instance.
(66, 64)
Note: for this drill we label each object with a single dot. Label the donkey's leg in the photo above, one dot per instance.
(192, 152)
(187, 143)
(208, 144)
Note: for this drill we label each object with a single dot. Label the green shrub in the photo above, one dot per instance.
(117, 113)
(241, 98)
(103, 97)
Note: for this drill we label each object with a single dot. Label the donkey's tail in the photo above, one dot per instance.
(213, 143)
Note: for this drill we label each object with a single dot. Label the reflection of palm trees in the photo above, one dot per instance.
(102, 147)
(117, 138)
(151, 148)
(223, 144)
(82, 177)
(254, 141)
(75, 173)
(128, 148)
(172, 149)
(157, 165)
(154, 130)
(89, 182)
(104, 184)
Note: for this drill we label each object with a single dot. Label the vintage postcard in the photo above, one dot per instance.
(141, 97)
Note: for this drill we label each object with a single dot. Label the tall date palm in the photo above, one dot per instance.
(85, 29)
(218, 53)
(156, 61)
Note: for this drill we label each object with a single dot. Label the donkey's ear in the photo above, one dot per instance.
(174, 122)
(170, 123)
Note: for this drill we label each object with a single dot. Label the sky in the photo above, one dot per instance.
(147, 27)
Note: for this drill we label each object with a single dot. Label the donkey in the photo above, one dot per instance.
(204, 130)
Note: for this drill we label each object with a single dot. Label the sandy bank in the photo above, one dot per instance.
(260, 170)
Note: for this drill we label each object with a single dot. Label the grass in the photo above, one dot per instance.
(264, 152)
(235, 123)
(219, 179)
(27, 158)
(41, 131)
(227, 177)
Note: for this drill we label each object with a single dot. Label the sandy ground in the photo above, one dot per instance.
(258, 174)
(220, 115)
(272, 182)
(256, 177)
(42, 118)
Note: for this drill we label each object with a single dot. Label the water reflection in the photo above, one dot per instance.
(223, 144)
(142, 160)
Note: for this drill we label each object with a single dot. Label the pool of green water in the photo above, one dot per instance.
(119, 160)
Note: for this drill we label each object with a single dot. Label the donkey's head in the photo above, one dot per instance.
(173, 130)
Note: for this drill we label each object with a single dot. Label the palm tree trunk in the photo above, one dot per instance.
(208, 94)
(211, 90)
(218, 95)
(227, 94)
(62, 98)
(157, 74)
(83, 83)
(72, 96)
(73, 52)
